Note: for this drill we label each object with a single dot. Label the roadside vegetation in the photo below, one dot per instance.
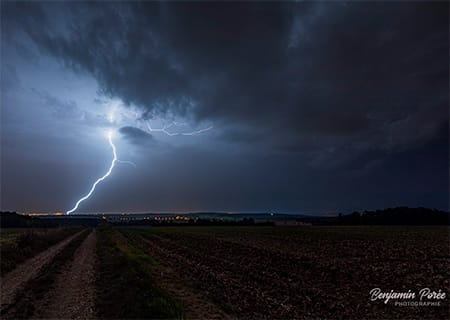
(17, 245)
(125, 288)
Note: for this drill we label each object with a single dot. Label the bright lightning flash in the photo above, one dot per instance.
(113, 162)
(164, 130)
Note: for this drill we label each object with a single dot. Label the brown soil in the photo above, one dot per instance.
(73, 294)
(194, 304)
(304, 274)
(15, 280)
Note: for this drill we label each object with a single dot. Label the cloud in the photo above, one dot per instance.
(61, 109)
(68, 110)
(336, 74)
(314, 104)
(136, 135)
(9, 79)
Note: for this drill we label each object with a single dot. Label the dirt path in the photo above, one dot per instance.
(15, 280)
(73, 294)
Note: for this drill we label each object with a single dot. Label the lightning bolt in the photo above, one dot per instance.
(127, 162)
(164, 130)
(113, 162)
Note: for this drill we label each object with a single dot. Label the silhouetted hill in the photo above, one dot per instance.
(14, 220)
(389, 216)
(396, 216)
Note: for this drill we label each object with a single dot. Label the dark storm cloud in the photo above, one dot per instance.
(349, 91)
(297, 70)
(136, 135)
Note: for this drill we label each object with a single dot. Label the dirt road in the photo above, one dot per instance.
(14, 281)
(73, 294)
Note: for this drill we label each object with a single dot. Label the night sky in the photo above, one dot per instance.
(315, 107)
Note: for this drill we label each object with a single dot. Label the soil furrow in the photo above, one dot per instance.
(195, 304)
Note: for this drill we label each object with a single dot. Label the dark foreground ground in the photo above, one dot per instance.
(224, 272)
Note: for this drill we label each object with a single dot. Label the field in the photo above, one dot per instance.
(229, 272)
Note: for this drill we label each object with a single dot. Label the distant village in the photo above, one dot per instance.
(389, 216)
(186, 219)
(152, 219)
